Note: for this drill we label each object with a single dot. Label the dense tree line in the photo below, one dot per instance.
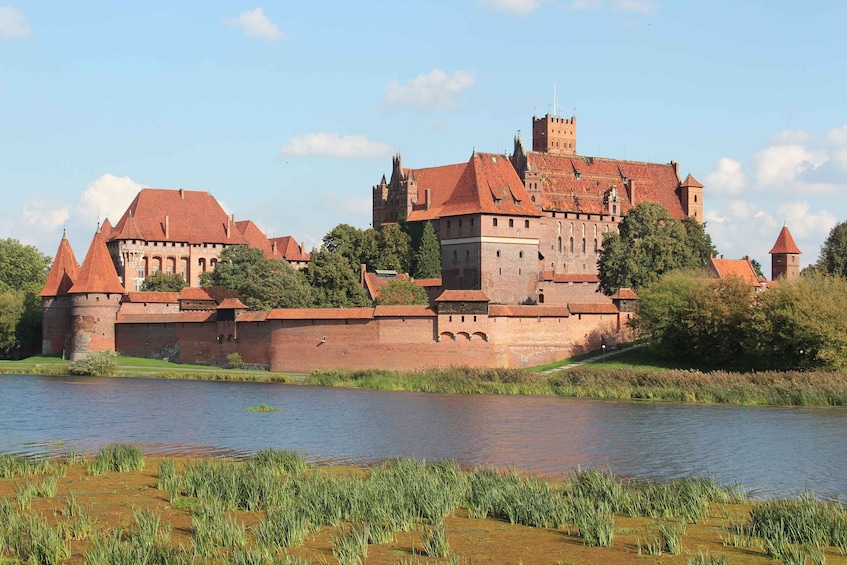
(332, 278)
(797, 324)
(23, 273)
(650, 243)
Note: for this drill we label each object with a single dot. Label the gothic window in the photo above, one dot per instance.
(571, 229)
(560, 228)
(596, 247)
(571, 245)
(560, 244)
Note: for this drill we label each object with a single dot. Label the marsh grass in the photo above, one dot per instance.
(281, 528)
(30, 539)
(119, 457)
(213, 527)
(17, 466)
(663, 537)
(706, 559)
(262, 408)
(434, 539)
(350, 545)
(802, 520)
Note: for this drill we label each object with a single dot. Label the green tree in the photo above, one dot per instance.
(833, 256)
(402, 292)
(650, 243)
(394, 248)
(689, 317)
(698, 241)
(11, 311)
(350, 243)
(22, 267)
(428, 255)
(162, 282)
(23, 273)
(757, 268)
(334, 285)
(802, 323)
(261, 283)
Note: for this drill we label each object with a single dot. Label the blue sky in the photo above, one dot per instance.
(288, 112)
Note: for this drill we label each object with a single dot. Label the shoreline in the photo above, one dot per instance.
(483, 516)
(612, 381)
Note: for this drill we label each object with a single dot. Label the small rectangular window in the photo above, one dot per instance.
(494, 222)
(511, 223)
(526, 224)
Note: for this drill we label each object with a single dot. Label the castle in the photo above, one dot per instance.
(519, 235)
(527, 228)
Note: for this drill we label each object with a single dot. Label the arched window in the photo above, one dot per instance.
(560, 228)
(202, 264)
(560, 244)
(596, 245)
(541, 299)
(571, 245)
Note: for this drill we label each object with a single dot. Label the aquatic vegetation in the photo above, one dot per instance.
(434, 539)
(262, 408)
(282, 528)
(18, 466)
(120, 457)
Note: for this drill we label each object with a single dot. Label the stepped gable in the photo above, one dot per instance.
(63, 272)
(784, 243)
(97, 274)
(488, 185)
(187, 216)
(581, 184)
(287, 248)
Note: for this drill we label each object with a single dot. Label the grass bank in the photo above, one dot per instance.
(632, 375)
(148, 368)
(278, 508)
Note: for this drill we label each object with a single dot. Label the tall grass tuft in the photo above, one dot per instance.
(31, 539)
(282, 528)
(119, 457)
(706, 559)
(350, 546)
(434, 539)
(17, 466)
(594, 519)
(213, 527)
(802, 520)
(663, 537)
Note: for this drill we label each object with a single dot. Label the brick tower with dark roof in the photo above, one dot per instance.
(95, 298)
(785, 256)
(55, 302)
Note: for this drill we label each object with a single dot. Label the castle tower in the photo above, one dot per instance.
(55, 302)
(95, 299)
(785, 256)
(691, 198)
(555, 135)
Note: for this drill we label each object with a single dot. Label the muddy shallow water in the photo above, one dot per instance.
(770, 451)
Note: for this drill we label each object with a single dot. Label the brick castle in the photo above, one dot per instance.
(519, 234)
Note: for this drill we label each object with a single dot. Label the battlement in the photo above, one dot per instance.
(552, 134)
(555, 120)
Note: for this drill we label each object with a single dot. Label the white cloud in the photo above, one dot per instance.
(335, 145)
(586, 4)
(355, 205)
(107, 196)
(12, 23)
(641, 6)
(515, 6)
(837, 136)
(804, 223)
(782, 165)
(44, 214)
(434, 90)
(254, 23)
(791, 137)
(727, 178)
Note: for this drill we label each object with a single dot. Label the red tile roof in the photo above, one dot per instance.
(259, 316)
(321, 314)
(152, 297)
(580, 184)
(63, 272)
(188, 216)
(172, 318)
(462, 296)
(97, 273)
(373, 283)
(624, 294)
(287, 248)
(426, 283)
(488, 185)
(593, 308)
(404, 311)
(517, 311)
(784, 243)
(216, 293)
(231, 304)
(254, 236)
(690, 182)
(741, 268)
(576, 278)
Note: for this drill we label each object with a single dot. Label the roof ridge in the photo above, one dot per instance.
(97, 273)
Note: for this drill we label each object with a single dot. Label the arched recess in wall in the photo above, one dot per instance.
(157, 265)
(541, 298)
(463, 336)
(170, 266)
(183, 268)
(444, 336)
(202, 264)
(480, 335)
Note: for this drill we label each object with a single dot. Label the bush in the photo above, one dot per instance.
(95, 364)
(234, 361)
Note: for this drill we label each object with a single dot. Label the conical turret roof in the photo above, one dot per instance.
(97, 273)
(784, 243)
(691, 182)
(64, 271)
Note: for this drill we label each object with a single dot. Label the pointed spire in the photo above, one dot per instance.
(690, 182)
(784, 243)
(63, 272)
(97, 274)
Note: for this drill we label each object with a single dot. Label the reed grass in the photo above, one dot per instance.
(281, 528)
(350, 545)
(702, 558)
(434, 539)
(17, 466)
(803, 520)
(212, 527)
(120, 457)
(262, 408)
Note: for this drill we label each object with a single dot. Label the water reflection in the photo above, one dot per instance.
(770, 451)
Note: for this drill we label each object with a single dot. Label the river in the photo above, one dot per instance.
(769, 451)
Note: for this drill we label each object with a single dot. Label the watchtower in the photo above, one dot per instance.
(552, 134)
(785, 256)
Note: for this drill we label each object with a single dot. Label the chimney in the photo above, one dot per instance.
(182, 193)
(427, 198)
(167, 227)
(228, 226)
(631, 186)
(362, 269)
(273, 247)
(675, 166)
